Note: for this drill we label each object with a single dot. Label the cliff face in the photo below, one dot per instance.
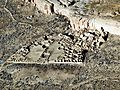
(84, 13)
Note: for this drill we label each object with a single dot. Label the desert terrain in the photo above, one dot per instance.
(43, 52)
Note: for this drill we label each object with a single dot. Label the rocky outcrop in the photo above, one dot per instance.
(77, 21)
(109, 25)
(44, 6)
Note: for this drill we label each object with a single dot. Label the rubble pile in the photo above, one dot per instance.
(76, 45)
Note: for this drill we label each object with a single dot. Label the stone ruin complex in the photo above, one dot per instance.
(96, 34)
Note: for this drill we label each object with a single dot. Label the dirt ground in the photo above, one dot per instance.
(22, 24)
